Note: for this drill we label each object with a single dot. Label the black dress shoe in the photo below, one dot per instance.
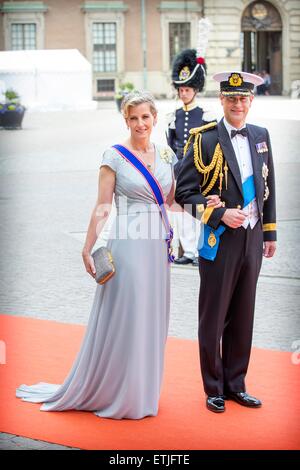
(244, 399)
(183, 260)
(215, 404)
(196, 262)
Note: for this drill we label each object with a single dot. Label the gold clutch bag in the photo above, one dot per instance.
(104, 265)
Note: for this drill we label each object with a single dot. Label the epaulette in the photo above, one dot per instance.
(208, 116)
(206, 127)
(198, 131)
(170, 120)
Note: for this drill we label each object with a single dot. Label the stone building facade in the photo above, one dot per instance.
(135, 40)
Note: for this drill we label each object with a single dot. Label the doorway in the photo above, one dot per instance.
(262, 42)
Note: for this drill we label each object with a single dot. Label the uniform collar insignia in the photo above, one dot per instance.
(189, 107)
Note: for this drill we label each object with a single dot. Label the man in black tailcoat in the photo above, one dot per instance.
(233, 160)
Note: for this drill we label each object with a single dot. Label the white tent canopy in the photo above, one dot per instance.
(48, 79)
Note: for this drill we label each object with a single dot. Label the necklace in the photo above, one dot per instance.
(140, 153)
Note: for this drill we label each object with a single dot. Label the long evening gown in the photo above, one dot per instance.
(118, 370)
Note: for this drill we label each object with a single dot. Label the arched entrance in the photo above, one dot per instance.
(262, 42)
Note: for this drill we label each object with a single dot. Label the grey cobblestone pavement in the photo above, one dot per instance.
(48, 187)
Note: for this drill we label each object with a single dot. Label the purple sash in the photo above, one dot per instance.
(156, 191)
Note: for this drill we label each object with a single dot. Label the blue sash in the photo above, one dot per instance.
(209, 243)
(156, 191)
(248, 190)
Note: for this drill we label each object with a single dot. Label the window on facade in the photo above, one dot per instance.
(23, 36)
(179, 38)
(104, 86)
(104, 47)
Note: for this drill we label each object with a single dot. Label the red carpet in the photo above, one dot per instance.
(43, 351)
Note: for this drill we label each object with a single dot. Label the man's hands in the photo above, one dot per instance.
(213, 201)
(269, 249)
(234, 218)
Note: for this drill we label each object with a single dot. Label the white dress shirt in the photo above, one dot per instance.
(243, 155)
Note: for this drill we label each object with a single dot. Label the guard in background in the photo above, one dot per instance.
(188, 77)
(233, 160)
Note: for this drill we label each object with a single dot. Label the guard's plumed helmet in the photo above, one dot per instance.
(188, 70)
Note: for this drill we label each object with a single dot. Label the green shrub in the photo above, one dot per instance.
(12, 96)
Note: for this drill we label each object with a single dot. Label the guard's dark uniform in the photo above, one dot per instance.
(228, 284)
(187, 71)
(179, 127)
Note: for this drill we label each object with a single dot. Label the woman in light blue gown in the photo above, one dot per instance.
(118, 370)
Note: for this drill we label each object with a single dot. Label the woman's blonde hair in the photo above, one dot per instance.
(135, 98)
